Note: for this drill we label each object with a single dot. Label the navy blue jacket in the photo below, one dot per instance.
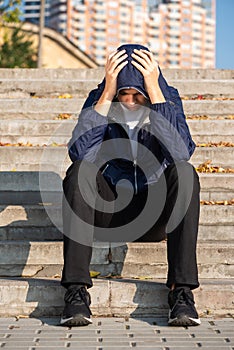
(163, 137)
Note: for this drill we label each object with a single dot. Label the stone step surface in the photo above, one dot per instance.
(98, 73)
(56, 159)
(50, 116)
(110, 297)
(37, 187)
(41, 132)
(133, 260)
(30, 234)
(40, 214)
(73, 105)
(20, 88)
(38, 222)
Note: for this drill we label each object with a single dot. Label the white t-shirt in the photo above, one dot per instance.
(132, 119)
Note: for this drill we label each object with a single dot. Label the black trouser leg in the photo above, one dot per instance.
(80, 192)
(180, 217)
(178, 222)
(182, 234)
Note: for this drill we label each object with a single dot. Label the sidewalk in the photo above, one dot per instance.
(116, 334)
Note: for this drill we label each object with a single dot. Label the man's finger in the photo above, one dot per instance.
(116, 54)
(120, 66)
(117, 61)
(145, 63)
(139, 67)
(146, 55)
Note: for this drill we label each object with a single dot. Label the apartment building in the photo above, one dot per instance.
(31, 11)
(181, 33)
(98, 27)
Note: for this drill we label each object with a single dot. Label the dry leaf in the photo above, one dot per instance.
(198, 117)
(142, 278)
(65, 96)
(63, 116)
(206, 167)
(94, 274)
(21, 316)
(216, 144)
(224, 202)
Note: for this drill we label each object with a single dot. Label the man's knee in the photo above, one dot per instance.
(183, 177)
(79, 172)
(184, 170)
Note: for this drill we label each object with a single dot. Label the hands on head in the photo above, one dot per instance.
(144, 61)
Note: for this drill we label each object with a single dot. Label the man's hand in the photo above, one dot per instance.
(115, 62)
(146, 64)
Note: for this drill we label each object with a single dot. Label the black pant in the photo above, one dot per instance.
(175, 204)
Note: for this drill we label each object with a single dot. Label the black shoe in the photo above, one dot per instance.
(76, 311)
(182, 310)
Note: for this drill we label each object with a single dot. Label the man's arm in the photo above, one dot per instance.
(146, 64)
(167, 116)
(89, 132)
(115, 62)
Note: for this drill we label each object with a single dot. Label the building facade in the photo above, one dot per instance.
(180, 33)
(98, 27)
(31, 11)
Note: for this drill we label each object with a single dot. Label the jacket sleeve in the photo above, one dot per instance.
(89, 131)
(170, 127)
(87, 136)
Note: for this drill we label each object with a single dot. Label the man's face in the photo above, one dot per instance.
(132, 99)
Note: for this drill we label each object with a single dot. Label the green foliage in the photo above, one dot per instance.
(9, 11)
(16, 50)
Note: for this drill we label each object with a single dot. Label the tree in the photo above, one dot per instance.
(16, 49)
(9, 11)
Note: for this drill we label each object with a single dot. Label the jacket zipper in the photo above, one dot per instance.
(105, 168)
(135, 175)
(134, 164)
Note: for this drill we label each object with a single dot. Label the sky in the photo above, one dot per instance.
(224, 34)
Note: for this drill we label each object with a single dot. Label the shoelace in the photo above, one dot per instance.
(77, 295)
(183, 298)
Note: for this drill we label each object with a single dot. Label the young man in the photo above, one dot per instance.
(130, 181)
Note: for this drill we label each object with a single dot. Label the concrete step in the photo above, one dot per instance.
(146, 260)
(215, 187)
(50, 116)
(38, 222)
(30, 187)
(98, 73)
(204, 131)
(126, 297)
(73, 105)
(56, 159)
(46, 187)
(40, 132)
(222, 156)
(19, 88)
(36, 115)
(138, 260)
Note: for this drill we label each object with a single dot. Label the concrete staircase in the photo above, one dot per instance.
(34, 105)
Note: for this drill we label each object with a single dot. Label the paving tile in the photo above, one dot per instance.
(116, 333)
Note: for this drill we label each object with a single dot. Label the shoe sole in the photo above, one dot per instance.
(78, 320)
(184, 321)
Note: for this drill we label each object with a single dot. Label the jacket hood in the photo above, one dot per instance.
(130, 76)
